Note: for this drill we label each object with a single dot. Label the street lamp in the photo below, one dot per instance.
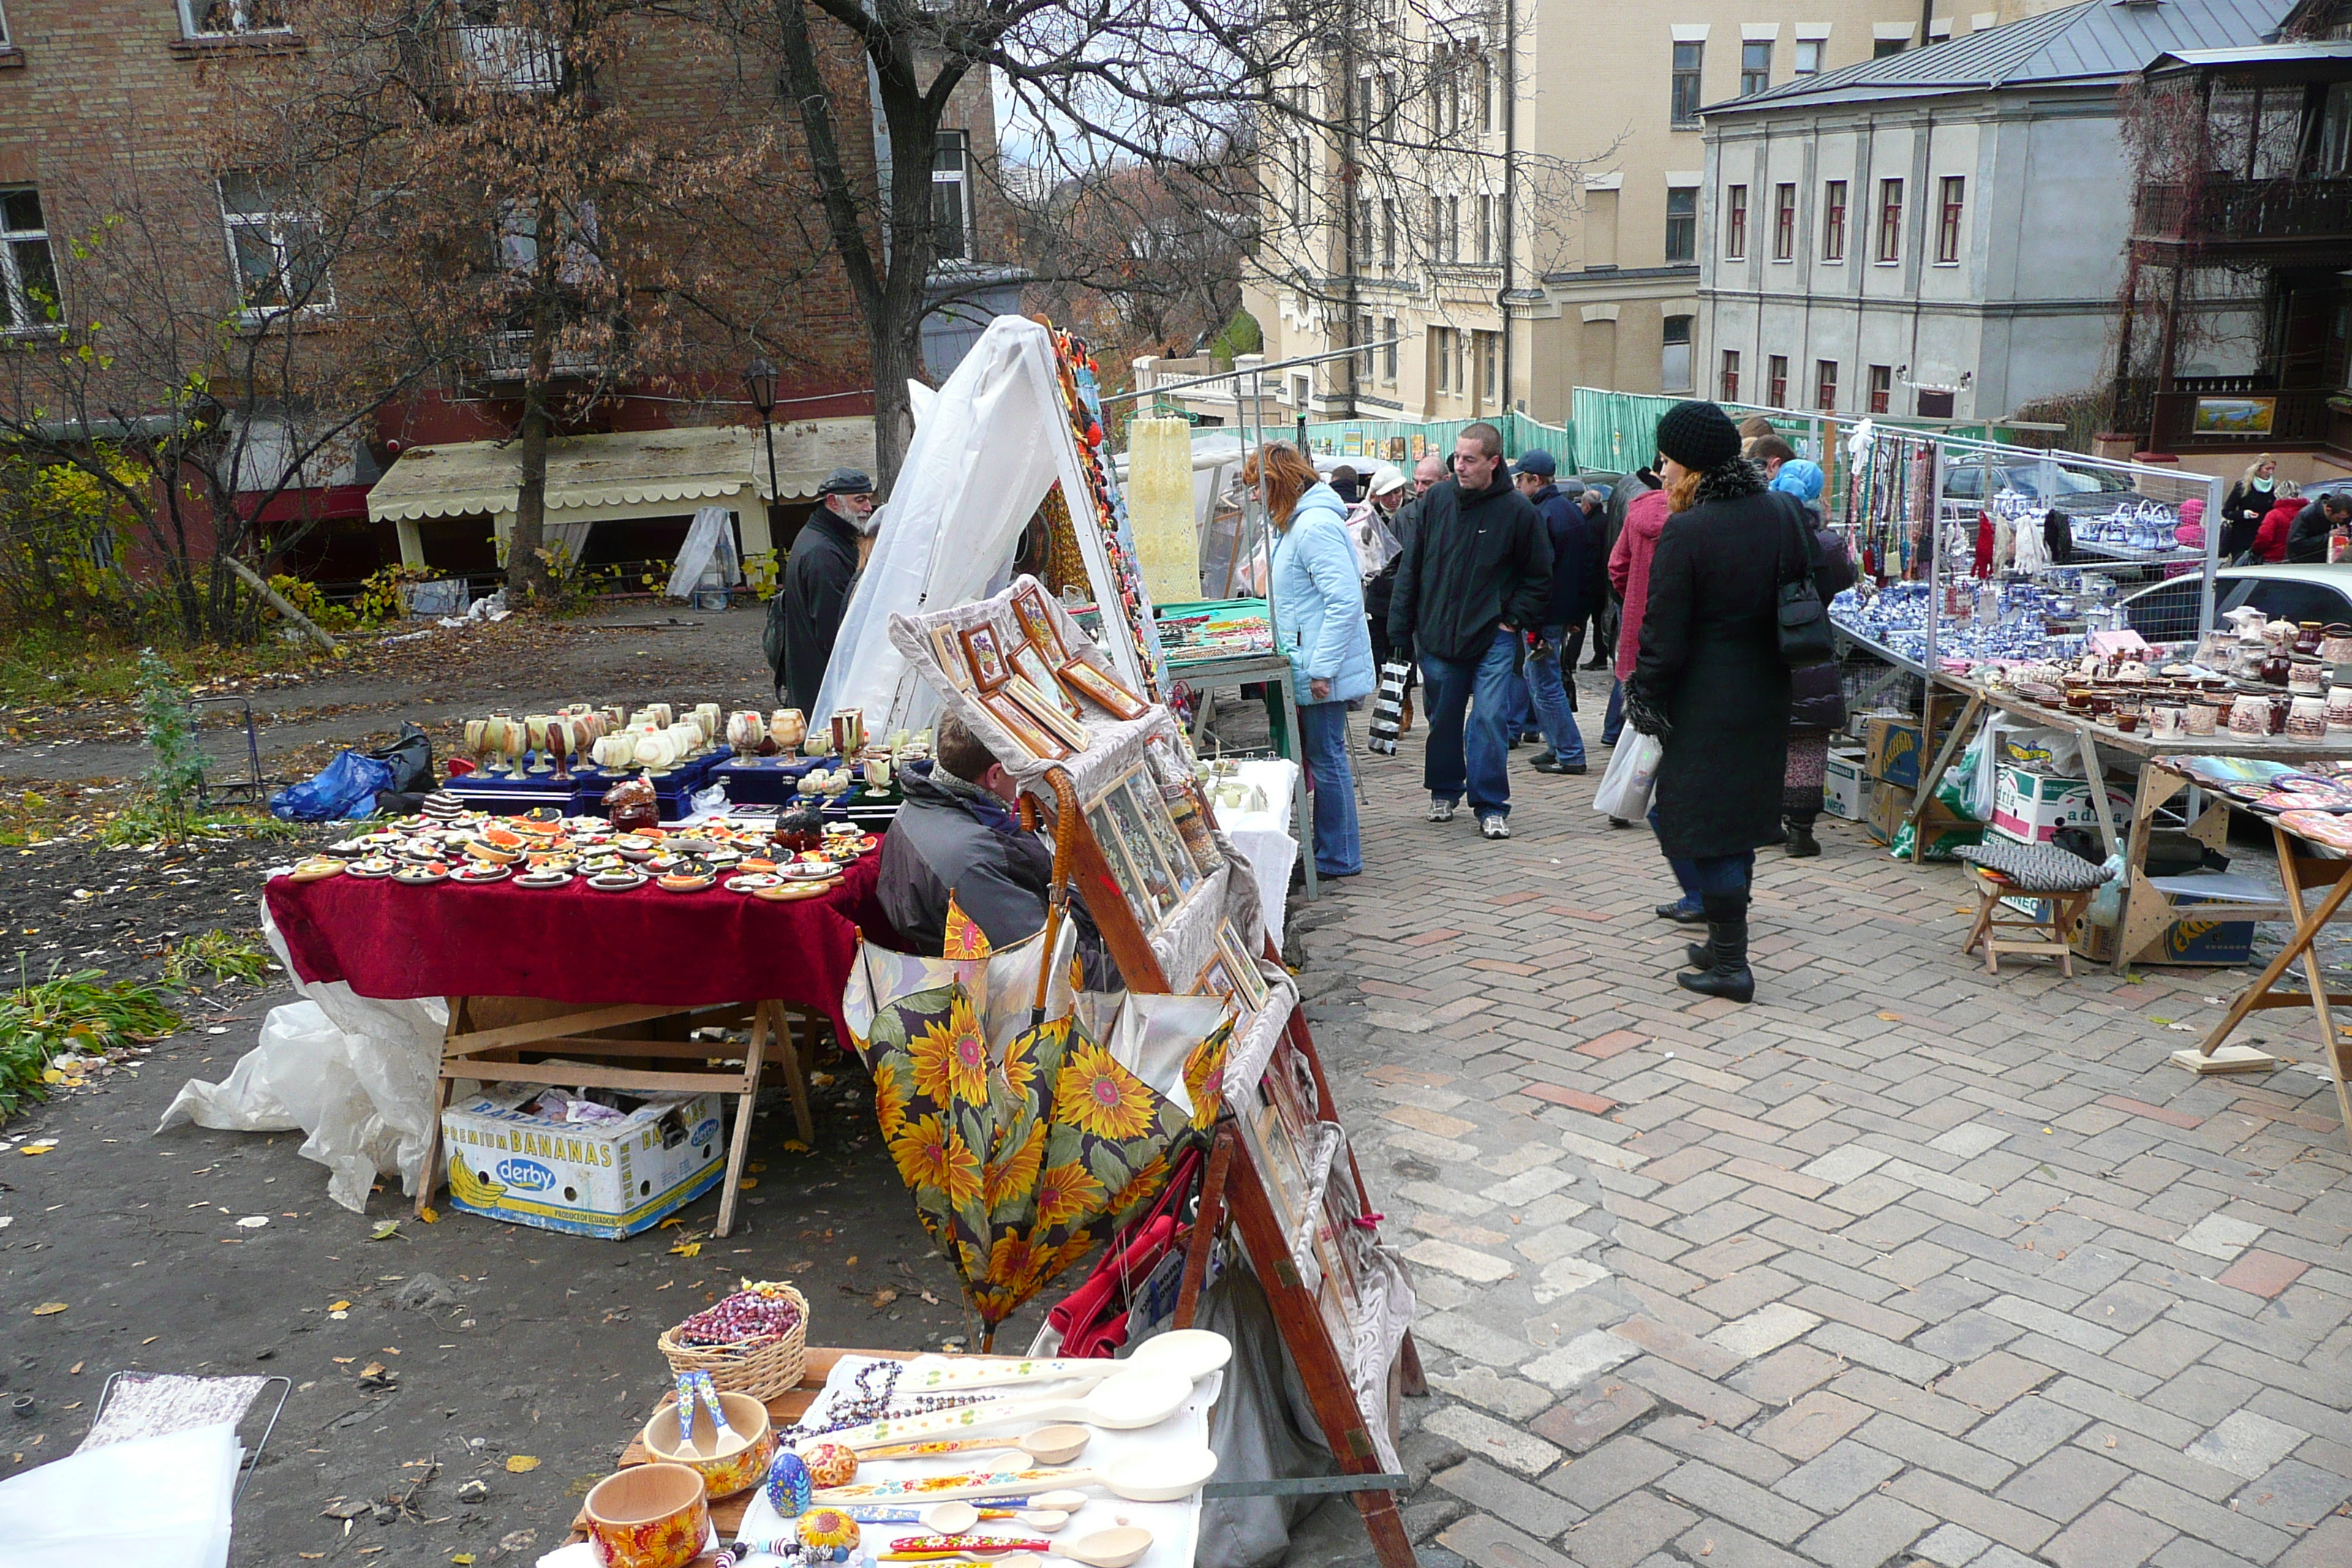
(760, 381)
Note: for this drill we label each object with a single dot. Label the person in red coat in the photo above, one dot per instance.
(2269, 539)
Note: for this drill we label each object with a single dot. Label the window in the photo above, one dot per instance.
(1882, 388)
(1825, 385)
(1365, 234)
(1784, 222)
(1729, 392)
(228, 18)
(1388, 231)
(1809, 58)
(1364, 339)
(1387, 99)
(1440, 348)
(1454, 228)
(1735, 222)
(1833, 221)
(951, 204)
(1302, 391)
(274, 241)
(1890, 220)
(1682, 223)
(3, 30)
(1755, 65)
(1685, 83)
(1935, 405)
(1363, 106)
(1486, 92)
(1675, 355)
(30, 275)
(1299, 188)
(1776, 381)
(1389, 354)
(1948, 226)
(1490, 367)
(1881, 48)
(1486, 228)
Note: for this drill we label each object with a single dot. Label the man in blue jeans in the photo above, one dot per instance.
(1579, 583)
(1476, 574)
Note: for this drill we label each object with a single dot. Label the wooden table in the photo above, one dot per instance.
(2147, 909)
(651, 1049)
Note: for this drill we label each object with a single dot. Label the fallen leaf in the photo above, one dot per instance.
(884, 1297)
(2153, 1019)
(852, 1263)
(431, 1215)
(339, 1305)
(934, 1301)
(521, 1464)
(1890, 1017)
(792, 1146)
(151, 1339)
(462, 1560)
(75, 1370)
(747, 1183)
(49, 1309)
(372, 1369)
(345, 1359)
(673, 1219)
(385, 1230)
(687, 1249)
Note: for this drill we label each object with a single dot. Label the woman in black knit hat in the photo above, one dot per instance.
(1710, 681)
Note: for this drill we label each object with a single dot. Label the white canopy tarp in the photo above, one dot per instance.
(984, 455)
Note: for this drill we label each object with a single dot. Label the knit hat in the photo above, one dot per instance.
(1697, 435)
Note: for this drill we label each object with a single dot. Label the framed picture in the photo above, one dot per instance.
(1046, 713)
(948, 650)
(1255, 992)
(1214, 981)
(1159, 880)
(1037, 624)
(1153, 812)
(1123, 870)
(1101, 691)
(985, 655)
(2234, 416)
(1029, 663)
(1027, 733)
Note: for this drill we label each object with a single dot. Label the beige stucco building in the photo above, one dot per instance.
(1525, 214)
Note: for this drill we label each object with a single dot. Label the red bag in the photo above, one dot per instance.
(1092, 1318)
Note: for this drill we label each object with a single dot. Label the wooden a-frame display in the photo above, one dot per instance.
(1234, 1190)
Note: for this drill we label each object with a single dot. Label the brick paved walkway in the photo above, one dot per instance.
(1902, 1264)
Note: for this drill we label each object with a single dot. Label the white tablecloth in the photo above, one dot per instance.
(1265, 837)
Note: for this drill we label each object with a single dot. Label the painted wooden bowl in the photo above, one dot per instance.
(727, 1464)
(649, 1516)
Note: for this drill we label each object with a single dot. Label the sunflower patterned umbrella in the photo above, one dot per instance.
(1019, 1166)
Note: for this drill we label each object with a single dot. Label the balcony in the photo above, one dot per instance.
(2298, 418)
(505, 358)
(2222, 219)
(451, 64)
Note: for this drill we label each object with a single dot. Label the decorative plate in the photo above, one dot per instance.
(477, 871)
(616, 881)
(372, 865)
(791, 893)
(422, 874)
(542, 878)
(683, 884)
(753, 881)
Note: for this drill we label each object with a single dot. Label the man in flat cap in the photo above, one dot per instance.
(805, 614)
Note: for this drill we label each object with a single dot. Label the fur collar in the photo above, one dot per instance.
(1730, 482)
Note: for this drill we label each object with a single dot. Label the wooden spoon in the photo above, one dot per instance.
(1195, 1352)
(1109, 1548)
(1137, 1397)
(1148, 1477)
(1046, 1445)
(950, 1518)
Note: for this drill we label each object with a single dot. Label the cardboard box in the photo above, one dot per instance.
(1893, 748)
(1845, 785)
(2031, 807)
(1945, 831)
(611, 1179)
(2219, 944)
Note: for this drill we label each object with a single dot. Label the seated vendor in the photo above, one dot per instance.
(957, 832)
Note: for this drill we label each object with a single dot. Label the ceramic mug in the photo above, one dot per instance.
(2169, 721)
(2339, 707)
(2250, 716)
(2307, 719)
(2204, 718)
(2306, 674)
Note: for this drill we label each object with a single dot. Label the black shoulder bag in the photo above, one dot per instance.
(1803, 623)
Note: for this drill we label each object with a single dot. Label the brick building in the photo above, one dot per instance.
(111, 105)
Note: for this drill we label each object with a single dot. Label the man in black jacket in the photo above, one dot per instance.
(956, 835)
(1477, 574)
(815, 589)
(1578, 584)
(2306, 536)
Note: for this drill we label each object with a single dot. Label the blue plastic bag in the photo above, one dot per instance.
(344, 787)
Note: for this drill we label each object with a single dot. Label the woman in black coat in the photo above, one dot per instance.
(1710, 683)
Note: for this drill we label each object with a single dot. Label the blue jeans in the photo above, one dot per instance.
(1548, 697)
(1323, 732)
(1613, 723)
(1471, 749)
(1717, 874)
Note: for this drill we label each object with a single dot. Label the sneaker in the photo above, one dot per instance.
(1550, 763)
(1495, 826)
(1440, 809)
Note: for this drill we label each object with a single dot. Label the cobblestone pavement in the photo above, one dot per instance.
(1904, 1263)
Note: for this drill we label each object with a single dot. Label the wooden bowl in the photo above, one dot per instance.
(728, 1465)
(648, 1516)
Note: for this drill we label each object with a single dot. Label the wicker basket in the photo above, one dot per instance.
(764, 1368)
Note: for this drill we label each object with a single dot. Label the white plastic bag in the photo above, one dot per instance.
(1624, 791)
(161, 1503)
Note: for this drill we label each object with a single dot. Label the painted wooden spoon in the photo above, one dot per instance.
(1195, 1352)
(1138, 1397)
(1046, 1445)
(1149, 1476)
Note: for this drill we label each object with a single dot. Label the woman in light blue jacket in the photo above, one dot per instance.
(1318, 621)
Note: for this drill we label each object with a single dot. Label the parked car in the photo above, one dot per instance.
(2077, 492)
(2168, 612)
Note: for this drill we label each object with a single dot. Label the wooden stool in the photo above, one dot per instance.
(2064, 881)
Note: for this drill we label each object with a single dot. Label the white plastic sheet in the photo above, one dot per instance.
(78, 1510)
(355, 1073)
(710, 545)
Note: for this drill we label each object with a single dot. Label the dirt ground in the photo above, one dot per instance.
(537, 1362)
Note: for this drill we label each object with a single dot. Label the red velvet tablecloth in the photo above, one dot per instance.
(577, 944)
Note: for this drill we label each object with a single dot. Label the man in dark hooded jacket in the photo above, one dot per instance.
(804, 617)
(2306, 536)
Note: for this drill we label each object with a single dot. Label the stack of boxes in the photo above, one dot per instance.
(1885, 781)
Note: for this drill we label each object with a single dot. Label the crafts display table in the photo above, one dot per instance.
(1201, 671)
(575, 972)
(2148, 910)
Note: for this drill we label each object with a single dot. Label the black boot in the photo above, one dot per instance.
(1700, 954)
(1726, 930)
(1801, 842)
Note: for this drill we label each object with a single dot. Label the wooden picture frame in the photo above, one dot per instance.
(1031, 666)
(1122, 870)
(1027, 733)
(1046, 713)
(1255, 991)
(1102, 691)
(1037, 624)
(1143, 789)
(983, 652)
(1160, 879)
(948, 650)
